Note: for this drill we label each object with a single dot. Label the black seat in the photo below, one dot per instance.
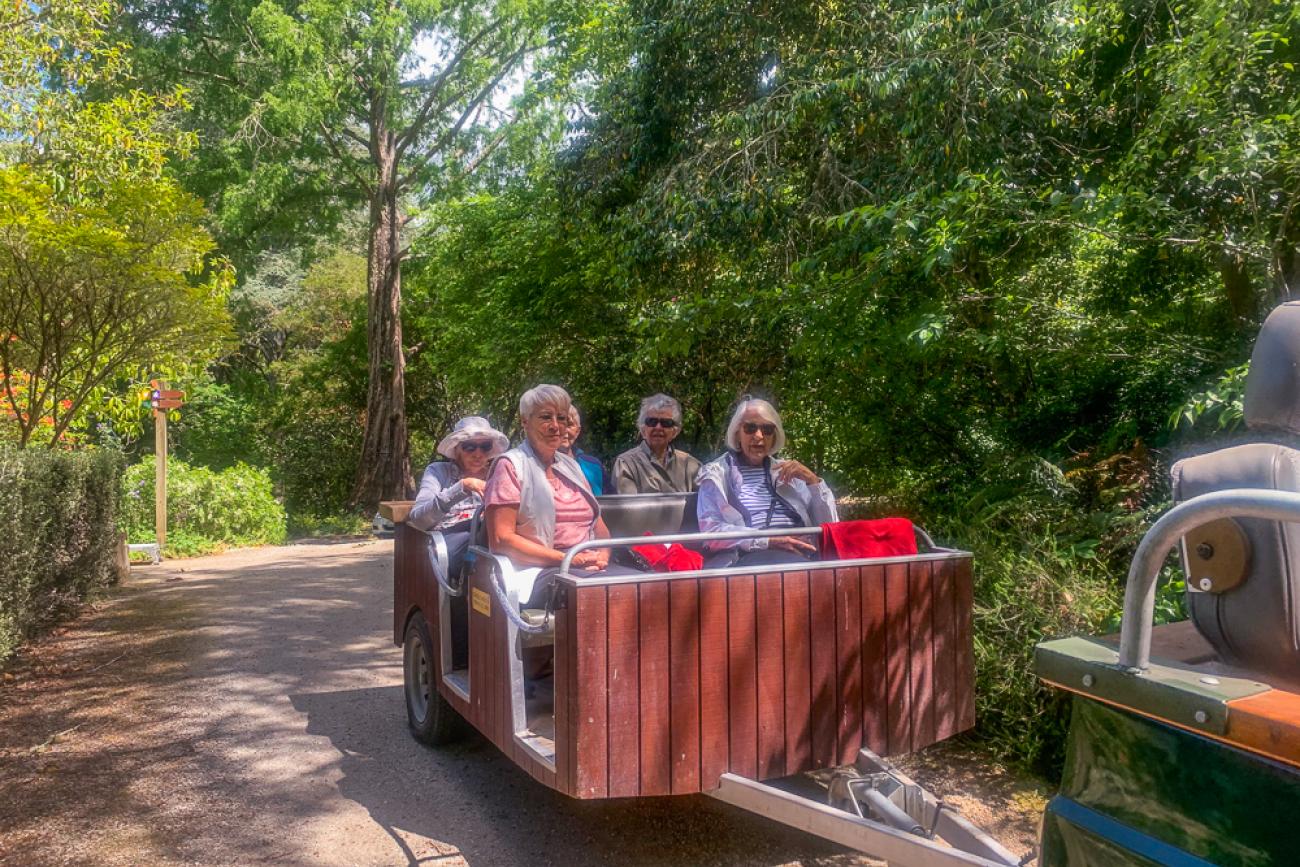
(1243, 574)
(657, 514)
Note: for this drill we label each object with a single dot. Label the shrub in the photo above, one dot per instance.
(58, 534)
(206, 509)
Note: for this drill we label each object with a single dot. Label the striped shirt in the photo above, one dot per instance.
(756, 495)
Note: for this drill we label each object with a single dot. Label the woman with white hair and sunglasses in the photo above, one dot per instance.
(654, 466)
(538, 501)
(749, 488)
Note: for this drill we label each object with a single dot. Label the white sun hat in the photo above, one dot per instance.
(472, 427)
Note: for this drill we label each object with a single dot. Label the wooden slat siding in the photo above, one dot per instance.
(564, 666)
(770, 652)
(920, 618)
(624, 693)
(897, 670)
(715, 726)
(742, 676)
(589, 708)
(945, 657)
(964, 644)
(821, 637)
(479, 664)
(848, 651)
(798, 673)
(875, 693)
(684, 684)
(656, 739)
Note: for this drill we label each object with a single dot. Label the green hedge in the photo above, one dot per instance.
(206, 510)
(58, 534)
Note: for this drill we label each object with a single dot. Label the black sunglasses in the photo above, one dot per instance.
(753, 427)
(484, 446)
(661, 422)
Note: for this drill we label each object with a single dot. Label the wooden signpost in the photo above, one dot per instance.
(162, 399)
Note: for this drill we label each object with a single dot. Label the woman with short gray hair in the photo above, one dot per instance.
(538, 502)
(748, 488)
(654, 466)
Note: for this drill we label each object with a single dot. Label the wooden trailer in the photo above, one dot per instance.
(706, 681)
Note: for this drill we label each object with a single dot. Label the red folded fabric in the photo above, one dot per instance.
(883, 537)
(670, 558)
(679, 559)
(652, 553)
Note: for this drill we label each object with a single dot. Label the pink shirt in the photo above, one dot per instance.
(573, 513)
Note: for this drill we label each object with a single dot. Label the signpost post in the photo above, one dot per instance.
(161, 399)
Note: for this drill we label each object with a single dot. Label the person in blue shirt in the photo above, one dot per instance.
(592, 468)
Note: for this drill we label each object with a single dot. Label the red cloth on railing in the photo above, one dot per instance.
(670, 558)
(883, 537)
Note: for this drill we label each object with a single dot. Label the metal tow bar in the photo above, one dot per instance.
(875, 809)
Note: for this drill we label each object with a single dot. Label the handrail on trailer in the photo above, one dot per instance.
(1140, 591)
(715, 536)
(498, 563)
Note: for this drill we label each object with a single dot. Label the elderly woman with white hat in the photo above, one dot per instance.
(452, 490)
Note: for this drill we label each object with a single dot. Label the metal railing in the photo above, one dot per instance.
(1140, 592)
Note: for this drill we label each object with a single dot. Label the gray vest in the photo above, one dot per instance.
(536, 500)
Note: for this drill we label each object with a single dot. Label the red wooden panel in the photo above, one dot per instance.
(656, 746)
(848, 651)
(798, 674)
(963, 644)
(591, 751)
(742, 675)
(898, 659)
(821, 601)
(875, 695)
(945, 657)
(684, 684)
(715, 727)
(624, 693)
(564, 669)
(922, 677)
(770, 650)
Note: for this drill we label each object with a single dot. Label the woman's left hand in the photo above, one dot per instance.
(794, 470)
(592, 559)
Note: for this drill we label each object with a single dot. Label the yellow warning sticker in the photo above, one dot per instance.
(481, 602)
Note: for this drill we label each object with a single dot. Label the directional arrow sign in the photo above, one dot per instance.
(167, 394)
(167, 404)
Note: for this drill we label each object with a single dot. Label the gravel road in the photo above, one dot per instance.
(247, 709)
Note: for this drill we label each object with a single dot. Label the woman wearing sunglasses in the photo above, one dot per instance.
(654, 466)
(452, 490)
(748, 487)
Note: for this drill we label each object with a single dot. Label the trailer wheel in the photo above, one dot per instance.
(432, 719)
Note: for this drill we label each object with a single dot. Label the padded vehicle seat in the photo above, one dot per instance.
(1255, 623)
(659, 514)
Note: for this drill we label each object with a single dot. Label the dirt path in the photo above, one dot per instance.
(247, 709)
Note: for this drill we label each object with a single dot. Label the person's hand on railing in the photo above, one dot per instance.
(597, 558)
(791, 543)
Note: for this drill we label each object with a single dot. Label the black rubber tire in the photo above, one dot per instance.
(432, 719)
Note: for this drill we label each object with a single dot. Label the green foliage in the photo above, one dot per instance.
(58, 535)
(1218, 408)
(105, 265)
(206, 509)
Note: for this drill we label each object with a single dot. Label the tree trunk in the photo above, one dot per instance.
(384, 472)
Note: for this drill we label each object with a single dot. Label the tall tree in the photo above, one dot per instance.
(309, 107)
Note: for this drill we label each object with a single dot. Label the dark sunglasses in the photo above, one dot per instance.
(667, 423)
(485, 446)
(753, 427)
